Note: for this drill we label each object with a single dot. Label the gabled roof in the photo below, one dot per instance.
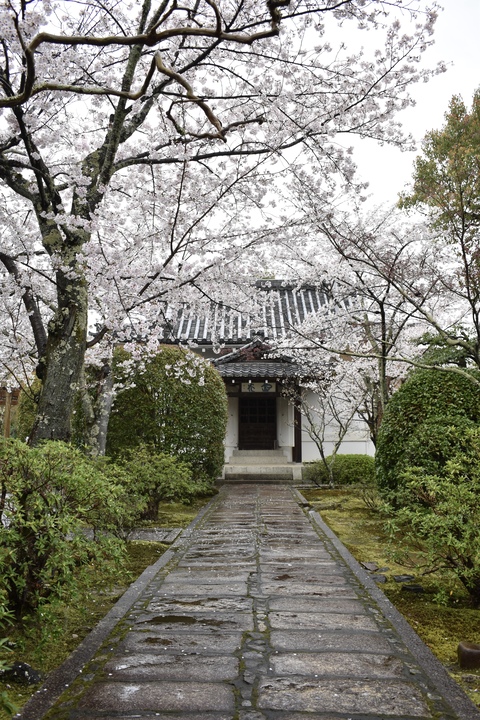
(248, 362)
(282, 306)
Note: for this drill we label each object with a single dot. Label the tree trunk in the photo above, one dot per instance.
(61, 368)
(104, 410)
(97, 403)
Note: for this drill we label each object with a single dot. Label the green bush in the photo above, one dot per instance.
(435, 441)
(424, 423)
(49, 494)
(178, 405)
(347, 470)
(436, 523)
(152, 478)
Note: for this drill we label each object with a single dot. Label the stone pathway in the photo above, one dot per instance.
(258, 613)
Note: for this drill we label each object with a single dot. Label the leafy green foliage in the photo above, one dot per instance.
(177, 404)
(152, 478)
(24, 418)
(49, 494)
(5, 618)
(346, 470)
(440, 352)
(437, 520)
(424, 423)
(447, 174)
(446, 185)
(7, 705)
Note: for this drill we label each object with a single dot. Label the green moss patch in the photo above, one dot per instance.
(441, 616)
(177, 515)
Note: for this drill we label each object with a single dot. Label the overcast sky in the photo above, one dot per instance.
(456, 42)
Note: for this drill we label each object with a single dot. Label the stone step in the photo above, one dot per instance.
(258, 457)
(263, 469)
(259, 480)
(258, 460)
(259, 453)
(234, 472)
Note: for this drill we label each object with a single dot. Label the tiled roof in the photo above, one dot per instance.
(259, 369)
(284, 306)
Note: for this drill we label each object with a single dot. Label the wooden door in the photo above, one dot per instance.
(257, 423)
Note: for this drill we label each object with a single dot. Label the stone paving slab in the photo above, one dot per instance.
(124, 697)
(379, 698)
(213, 589)
(257, 612)
(198, 621)
(199, 605)
(161, 642)
(314, 621)
(316, 604)
(330, 641)
(162, 535)
(172, 667)
(162, 716)
(346, 664)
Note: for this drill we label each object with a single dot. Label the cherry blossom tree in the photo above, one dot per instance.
(139, 143)
(362, 265)
(434, 283)
(331, 401)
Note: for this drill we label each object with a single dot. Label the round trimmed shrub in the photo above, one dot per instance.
(346, 470)
(177, 404)
(425, 423)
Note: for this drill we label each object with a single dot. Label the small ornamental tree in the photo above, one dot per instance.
(154, 477)
(437, 524)
(176, 404)
(424, 424)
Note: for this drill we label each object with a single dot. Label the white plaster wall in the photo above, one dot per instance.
(285, 429)
(357, 440)
(231, 437)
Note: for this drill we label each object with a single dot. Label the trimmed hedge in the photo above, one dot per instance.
(177, 405)
(347, 470)
(425, 423)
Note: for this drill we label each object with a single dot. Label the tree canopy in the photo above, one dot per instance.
(144, 148)
(446, 178)
(446, 184)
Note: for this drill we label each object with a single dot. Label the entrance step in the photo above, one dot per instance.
(261, 466)
(258, 457)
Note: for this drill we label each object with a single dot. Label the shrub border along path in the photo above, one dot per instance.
(57, 680)
(447, 687)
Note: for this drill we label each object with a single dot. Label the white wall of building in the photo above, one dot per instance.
(231, 437)
(285, 429)
(357, 439)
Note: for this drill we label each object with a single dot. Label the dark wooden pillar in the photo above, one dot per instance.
(297, 434)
